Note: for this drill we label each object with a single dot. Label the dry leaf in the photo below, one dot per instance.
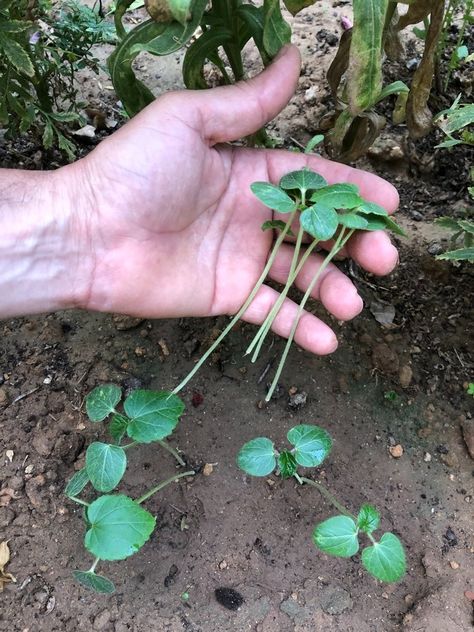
(5, 578)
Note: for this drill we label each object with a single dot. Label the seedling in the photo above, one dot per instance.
(325, 214)
(117, 525)
(338, 536)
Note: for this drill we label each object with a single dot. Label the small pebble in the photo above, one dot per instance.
(396, 451)
(454, 565)
(208, 469)
(427, 457)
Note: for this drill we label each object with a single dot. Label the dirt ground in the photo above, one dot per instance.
(398, 385)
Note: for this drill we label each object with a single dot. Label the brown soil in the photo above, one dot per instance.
(225, 530)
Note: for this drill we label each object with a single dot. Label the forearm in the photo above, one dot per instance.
(42, 260)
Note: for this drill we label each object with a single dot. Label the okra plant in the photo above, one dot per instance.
(117, 526)
(339, 535)
(323, 213)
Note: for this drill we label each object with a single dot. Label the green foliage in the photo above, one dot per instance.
(273, 197)
(287, 464)
(41, 52)
(337, 536)
(368, 519)
(470, 389)
(311, 444)
(257, 457)
(385, 559)
(118, 527)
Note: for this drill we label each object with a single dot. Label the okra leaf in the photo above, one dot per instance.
(368, 519)
(342, 195)
(97, 583)
(367, 208)
(118, 427)
(118, 527)
(257, 457)
(337, 536)
(275, 224)
(320, 221)
(153, 415)
(287, 464)
(396, 87)
(276, 32)
(353, 220)
(77, 483)
(312, 444)
(303, 180)
(102, 401)
(385, 560)
(105, 465)
(448, 222)
(273, 197)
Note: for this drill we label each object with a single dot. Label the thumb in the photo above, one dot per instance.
(231, 112)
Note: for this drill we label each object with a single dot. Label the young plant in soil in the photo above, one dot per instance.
(117, 525)
(339, 536)
(323, 213)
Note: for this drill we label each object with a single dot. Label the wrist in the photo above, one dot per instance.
(43, 242)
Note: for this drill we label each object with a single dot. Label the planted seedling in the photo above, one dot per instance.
(117, 525)
(325, 213)
(339, 535)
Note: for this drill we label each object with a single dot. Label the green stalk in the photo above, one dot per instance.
(172, 451)
(157, 488)
(94, 565)
(244, 307)
(327, 494)
(79, 501)
(266, 326)
(340, 243)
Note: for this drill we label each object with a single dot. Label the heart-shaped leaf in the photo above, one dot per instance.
(368, 519)
(342, 195)
(153, 415)
(276, 224)
(312, 444)
(385, 560)
(97, 583)
(319, 221)
(105, 465)
(77, 483)
(118, 527)
(375, 222)
(337, 536)
(257, 457)
(118, 427)
(303, 181)
(273, 197)
(370, 208)
(102, 401)
(353, 220)
(287, 464)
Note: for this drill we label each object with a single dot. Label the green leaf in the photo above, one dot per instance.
(396, 87)
(275, 224)
(371, 208)
(65, 117)
(448, 222)
(118, 527)
(462, 254)
(254, 18)
(451, 121)
(462, 52)
(467, 226)
(385, 560)
(364, 76)
(319, 221)
(374, 222)
(303, 180)
(353, 220)
(340, 195)
(203, 48)
(14, 26)
(118, 427)
(153, 415)
(276, 32)
(273, 197)
(287, 464)
(368, 519)
(97, 583)
(102, 401)
(314, 142)
(295, 6)
(77, 483)
(16, 55)
(391, 225)
(105, 465)
(257, 457)
(312, 444)
(337, 536)
(48, 135)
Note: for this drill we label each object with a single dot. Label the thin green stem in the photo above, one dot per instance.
(172, 451)
(327, 494)
(129, 445)
(340, 242)
(163, 484)
(94, 565)
(266, 326)
(243, 309)
(79, 501)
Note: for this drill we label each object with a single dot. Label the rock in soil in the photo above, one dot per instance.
(467, 426)
(335, 600)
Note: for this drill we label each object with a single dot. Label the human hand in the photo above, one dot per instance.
(170, 226)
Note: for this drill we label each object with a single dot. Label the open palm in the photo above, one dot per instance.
(176, 230)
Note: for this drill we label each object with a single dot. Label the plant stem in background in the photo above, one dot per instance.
(326, 493)
(163, 484)
(172, 451)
